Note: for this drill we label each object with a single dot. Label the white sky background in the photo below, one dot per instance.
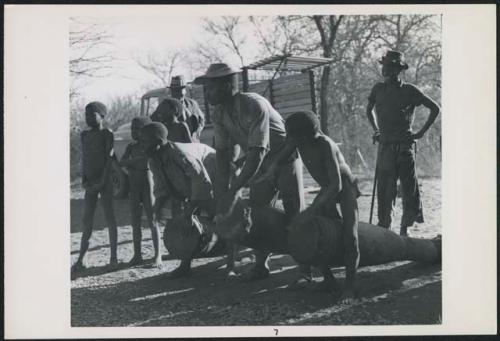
(135, 37)
(138, 36)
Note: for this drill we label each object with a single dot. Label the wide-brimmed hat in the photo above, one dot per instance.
(216, 70)
(394, 58)
(177, 82)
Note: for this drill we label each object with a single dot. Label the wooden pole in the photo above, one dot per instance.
(244, 74)
(312, 86)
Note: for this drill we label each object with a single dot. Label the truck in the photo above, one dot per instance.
(289, 85)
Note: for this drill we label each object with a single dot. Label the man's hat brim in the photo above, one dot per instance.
(215, 73)
(401, 64)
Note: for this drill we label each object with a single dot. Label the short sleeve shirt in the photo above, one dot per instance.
(395, 106)
(188, 167)
(96, 148)
(249, 121)
(195, 118)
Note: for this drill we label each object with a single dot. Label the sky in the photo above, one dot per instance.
(135, 36)
(138, 36)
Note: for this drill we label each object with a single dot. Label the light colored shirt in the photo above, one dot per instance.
(195, 118)
(188, 168)
(248, 120)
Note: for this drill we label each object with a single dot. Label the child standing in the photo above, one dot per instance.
(97, 153)
(136, 161)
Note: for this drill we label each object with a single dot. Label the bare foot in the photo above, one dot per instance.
(347, 297)
(231, 274)
(158, 263)
(136, 260)
(113, 264)
(77, 267)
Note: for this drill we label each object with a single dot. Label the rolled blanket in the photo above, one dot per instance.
(317, 240)
(314, 240)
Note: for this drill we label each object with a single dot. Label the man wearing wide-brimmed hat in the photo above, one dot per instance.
(394, 102)
(249, 120)
(195, 118)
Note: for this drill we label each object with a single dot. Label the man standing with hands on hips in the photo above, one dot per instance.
(249, 120)
(394, 102)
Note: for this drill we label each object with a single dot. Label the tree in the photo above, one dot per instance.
(328, 26)
(91, 53)
(227, 33)
(161, 65)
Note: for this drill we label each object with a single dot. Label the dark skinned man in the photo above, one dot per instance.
(249, 120)
(394, 102)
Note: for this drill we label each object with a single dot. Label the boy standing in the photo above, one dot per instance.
(327, 166)
(394, 102)
(136, 161)
(97, 153)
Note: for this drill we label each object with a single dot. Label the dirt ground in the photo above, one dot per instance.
(390, 294)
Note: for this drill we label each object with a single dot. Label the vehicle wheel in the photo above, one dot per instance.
(120, 181)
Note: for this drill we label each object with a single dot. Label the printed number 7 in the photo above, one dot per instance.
(275, 331)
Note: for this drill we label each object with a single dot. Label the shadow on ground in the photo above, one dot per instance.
(398, 294)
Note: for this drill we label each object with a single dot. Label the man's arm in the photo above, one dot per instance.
(161, 189)
(185, 133)
(434, 112)
(109, 158)
(253, 161)
(371, 115)
(199, 115)
(281, 157)
(372, 119)
(331, 164)
(223, 158)
(84, 176)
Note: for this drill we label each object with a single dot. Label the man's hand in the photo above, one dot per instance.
(376, 137)
(226, 204)
(417, 136)
(265, 176)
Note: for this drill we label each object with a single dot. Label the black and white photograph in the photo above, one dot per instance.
(256, 170)
(250, 170)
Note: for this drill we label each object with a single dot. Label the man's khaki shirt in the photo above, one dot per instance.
(188, 168)
(248, 120)
(395, 105)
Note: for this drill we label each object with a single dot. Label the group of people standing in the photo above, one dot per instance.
(198, 177)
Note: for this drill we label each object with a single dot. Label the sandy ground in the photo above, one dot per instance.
(390, 294)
